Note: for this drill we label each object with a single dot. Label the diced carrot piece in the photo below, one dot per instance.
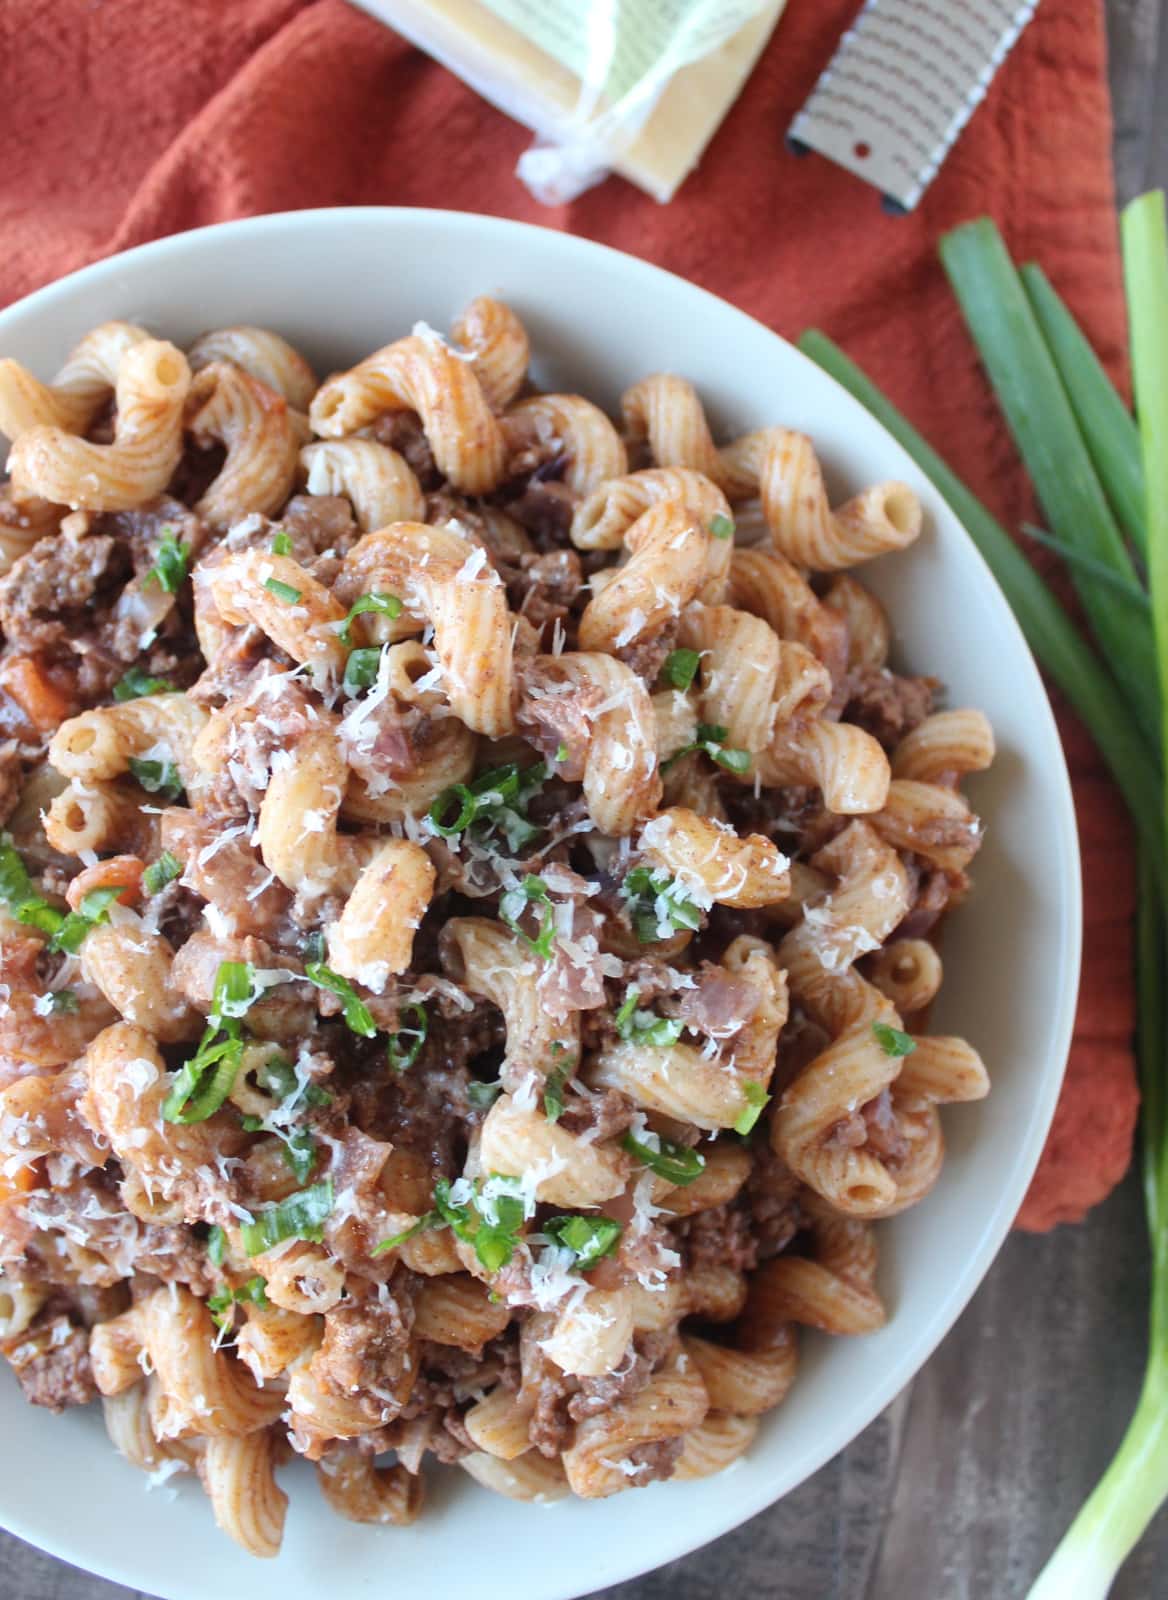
(123, 872)
(22, 1181)
(41, 701)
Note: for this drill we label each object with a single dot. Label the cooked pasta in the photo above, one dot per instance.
(468, 910)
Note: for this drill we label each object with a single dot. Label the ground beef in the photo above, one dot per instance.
(11, 778)
(227, 870)
(719, 1237)
(603, 1115)
(175, 1255)
(142, 530)
(771, 1193)
(549, 718)
(50, 593)
(51, 1362)
(321, 522)
(595, 1395)
(403, 431)
(887, 705)
(655, 1461)
(646, 655)
(246, 654)
(550, 1429)
(365, 1349)
(544, 588)
(573, 980)
(421, 1110)
(933, 891)
(882, 1130)
(545, 508)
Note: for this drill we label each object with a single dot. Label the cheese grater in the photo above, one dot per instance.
(905, 80)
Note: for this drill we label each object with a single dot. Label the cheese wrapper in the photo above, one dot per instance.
(637, 87)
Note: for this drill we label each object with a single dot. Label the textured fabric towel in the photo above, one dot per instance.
(136, 118)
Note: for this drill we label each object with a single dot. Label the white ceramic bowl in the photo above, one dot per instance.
(339, 283)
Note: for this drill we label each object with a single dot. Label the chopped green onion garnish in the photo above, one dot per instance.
(457, 804)
(170, 563)
(430, 1220)
(157, 777)
(362, 668)
(216, 1244)
(161, 872)
(676, 1163)
(300, 1216)
(313, 946)
(299, 1152)
(590, 1239)
(356, 1013)
(231, 995)
(710, 739)
(892, 1041)
(562, 752)
(383, 605)
(282, 591)
(483, 1095)
(655, 900)
(72, 928)
(756, 1098)
(511, 908)
(406, 1044)
(64, 1000)
(202, 1084)
(721, 527)
(681, 667)
(553, 1089)
(15, 884)
(222, 1304)
(281, 543)
(136, 685)
(642, 1027)
(495, 1240)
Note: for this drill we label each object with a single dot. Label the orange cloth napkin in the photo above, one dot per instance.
(136, 118)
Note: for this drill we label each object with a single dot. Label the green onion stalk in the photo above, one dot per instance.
(1102, 480)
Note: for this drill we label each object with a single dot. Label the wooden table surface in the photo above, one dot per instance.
(963, 1486)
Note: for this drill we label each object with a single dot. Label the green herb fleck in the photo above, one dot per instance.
(676, 1163)
(405, 1045)
(756, 1098)
(161, 872)
(300, 1216)
(532, 889)
(383, 605)
(892, 1041)
(158, 777)
(681, 667)
(354, 1010)
(282, 591)
(171, 561)
(589, 1239)
(430, 1220)
(137, 684)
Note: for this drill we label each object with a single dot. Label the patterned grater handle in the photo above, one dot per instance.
(905, 80)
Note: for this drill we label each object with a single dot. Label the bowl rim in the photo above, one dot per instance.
(1032, 1135)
